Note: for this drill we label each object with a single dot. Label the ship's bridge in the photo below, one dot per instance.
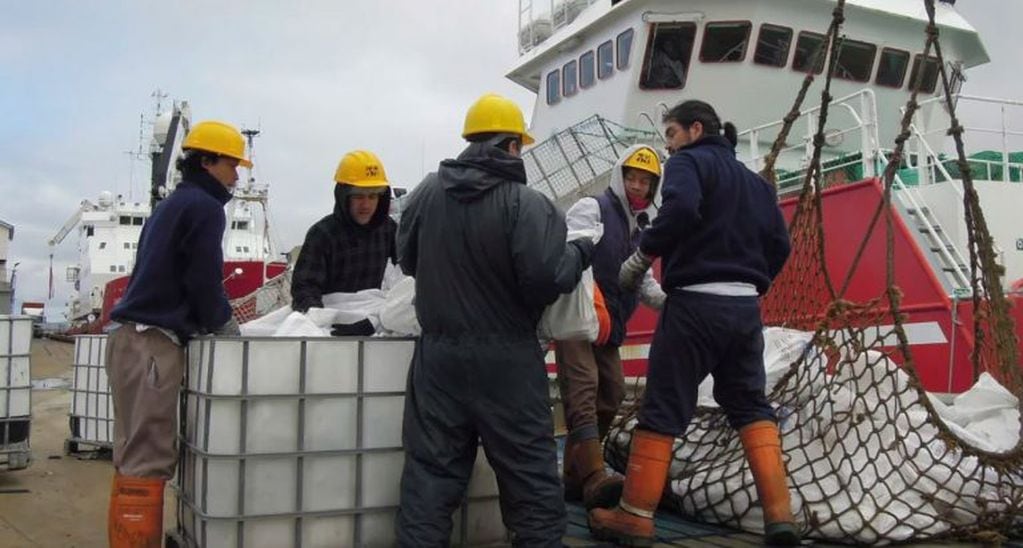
(628, 60)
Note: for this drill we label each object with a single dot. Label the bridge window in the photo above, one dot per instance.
(807, 46)
(137, 221)
(125, 220)
(570, 78)
(891, 70)
(668, 54)
(605, 60)
(725, 42)
(855, 60)
(624, 41)
(553, 87)
(930, 76)
(102, 245)
(587, 76)
(773, 45)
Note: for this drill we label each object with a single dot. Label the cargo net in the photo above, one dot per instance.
(275, 293)
(869, 456)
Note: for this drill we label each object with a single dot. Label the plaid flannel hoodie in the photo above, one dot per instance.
(341, 255)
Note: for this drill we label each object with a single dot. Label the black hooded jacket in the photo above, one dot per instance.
(487, 252)
(342, 255)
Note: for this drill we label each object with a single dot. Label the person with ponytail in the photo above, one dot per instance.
(722, 240)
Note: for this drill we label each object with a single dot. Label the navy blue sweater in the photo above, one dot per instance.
(178, 280)
(718, 222)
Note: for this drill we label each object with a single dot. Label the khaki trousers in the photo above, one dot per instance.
(145, 370)
(591, 383)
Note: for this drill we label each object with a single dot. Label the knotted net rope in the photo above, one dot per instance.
(870, 460)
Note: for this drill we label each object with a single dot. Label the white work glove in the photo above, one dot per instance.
(656, 301)
(633, 269)
(229, 329)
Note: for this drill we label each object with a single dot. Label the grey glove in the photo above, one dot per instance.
(656, 300)
(229, 329)
(633, 270)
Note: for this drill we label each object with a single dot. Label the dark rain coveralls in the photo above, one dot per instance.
(488, 255)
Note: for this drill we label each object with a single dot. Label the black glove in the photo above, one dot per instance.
(585, 247)
(229, 329)
(362, 328)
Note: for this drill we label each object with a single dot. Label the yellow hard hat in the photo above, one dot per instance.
(495, 114)
(646, 159)
(361, 168)
(218, 138)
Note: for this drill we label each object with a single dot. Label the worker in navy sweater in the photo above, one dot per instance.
(722, 240)
(176, 291)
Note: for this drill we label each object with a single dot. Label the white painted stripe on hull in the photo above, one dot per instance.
(916, 333)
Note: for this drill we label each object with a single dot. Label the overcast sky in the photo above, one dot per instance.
(318, 78)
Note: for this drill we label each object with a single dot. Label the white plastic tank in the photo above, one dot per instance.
(92, 409)
(293, 442)
(15, 390)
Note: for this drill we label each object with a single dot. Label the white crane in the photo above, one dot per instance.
(66, 229)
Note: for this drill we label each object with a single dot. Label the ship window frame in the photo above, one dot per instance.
(905, 67)
(124, 220)
(648, 54)
(707, 28)
(605, 58)
(784, 57)
(838, 62)
(622, 61)
(89, 231)
(570, 68)
(137, 221)
(113, 268)
(912, 74)
(102, 245)
(815, 70)
(587, 59)
(242, 225)
(127, 245)
(554, 87)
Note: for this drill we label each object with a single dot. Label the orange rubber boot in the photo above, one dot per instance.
(632, 523)
(135, 518)
(763, 451)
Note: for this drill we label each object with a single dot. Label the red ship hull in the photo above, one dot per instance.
(253, 275)
(939, 329)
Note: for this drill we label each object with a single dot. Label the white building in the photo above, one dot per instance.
(6, 235)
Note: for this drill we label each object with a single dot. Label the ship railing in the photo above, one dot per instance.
(859, 162)
(539, 19)
(997, 128)
(577, 161)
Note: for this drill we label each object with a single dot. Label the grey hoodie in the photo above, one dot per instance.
(585, 215)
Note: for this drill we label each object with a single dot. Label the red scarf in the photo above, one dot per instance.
(638, 204)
